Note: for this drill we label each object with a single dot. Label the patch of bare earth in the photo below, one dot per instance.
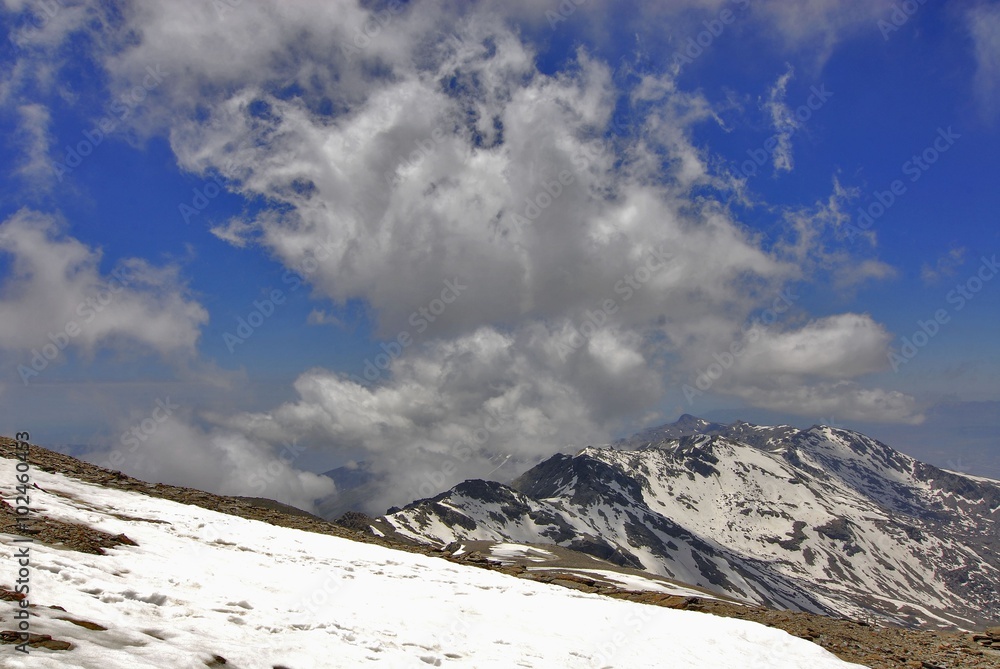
(878, 647)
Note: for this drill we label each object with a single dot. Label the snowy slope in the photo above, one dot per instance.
(821, 520)
(556, 561)
(201, 583)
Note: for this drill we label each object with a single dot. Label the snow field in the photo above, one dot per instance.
(201, 583)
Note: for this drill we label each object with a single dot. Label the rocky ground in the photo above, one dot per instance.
(855, 641)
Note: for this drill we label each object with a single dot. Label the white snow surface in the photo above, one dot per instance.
(508, 552)
(747, 511)
(202, 583)
(635, 582)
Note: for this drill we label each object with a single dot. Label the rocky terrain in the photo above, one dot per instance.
(820, 520)
(873, 645)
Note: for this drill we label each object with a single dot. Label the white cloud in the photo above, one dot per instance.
(784, 122)
(983, 21)
(323, 317)
(37, 31)
(812, 28)
(849, 277)
(456, 408)
(402, 165)
(176, 452)
(817, 26)
(33, 138)
(439, 163)
(944, 266)
(401, 191)
(809, 370)
(844, 399)
(844, 346)
(815, 239)
(55, 291)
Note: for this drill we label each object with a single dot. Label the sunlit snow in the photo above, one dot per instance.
(201, 583)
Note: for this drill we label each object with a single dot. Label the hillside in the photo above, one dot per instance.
(184, 586)
(822, 520)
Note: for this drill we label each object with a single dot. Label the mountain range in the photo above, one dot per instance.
(111, 572)
(824, 520)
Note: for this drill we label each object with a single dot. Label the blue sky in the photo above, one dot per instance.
(534, 225)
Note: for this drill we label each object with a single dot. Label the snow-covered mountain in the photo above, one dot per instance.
(824, 520)
(182, 586)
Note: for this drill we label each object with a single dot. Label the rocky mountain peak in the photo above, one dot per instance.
(825, 520)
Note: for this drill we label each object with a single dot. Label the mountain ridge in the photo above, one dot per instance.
(875, 646)
(822, 519)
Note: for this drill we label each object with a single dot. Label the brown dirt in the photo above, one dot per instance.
(876, 646)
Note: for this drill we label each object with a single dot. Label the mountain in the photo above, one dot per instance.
(684, 426)
(119, 577)
(355, 483)
(824, 520)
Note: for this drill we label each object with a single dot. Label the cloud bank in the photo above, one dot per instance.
(557, 275)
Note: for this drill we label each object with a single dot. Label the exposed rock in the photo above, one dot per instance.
(34, 640)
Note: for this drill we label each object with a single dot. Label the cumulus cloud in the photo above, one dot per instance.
(810, 369)
(480, 206)
(166, 445)
(547, 268)
(453, 174)
(458, 408)
(844, 346)
(55, 293)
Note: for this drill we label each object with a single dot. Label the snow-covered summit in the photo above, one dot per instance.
(823, 519)
(201, 588)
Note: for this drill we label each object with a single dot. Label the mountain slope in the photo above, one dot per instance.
(821, 520)
(190, 587)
